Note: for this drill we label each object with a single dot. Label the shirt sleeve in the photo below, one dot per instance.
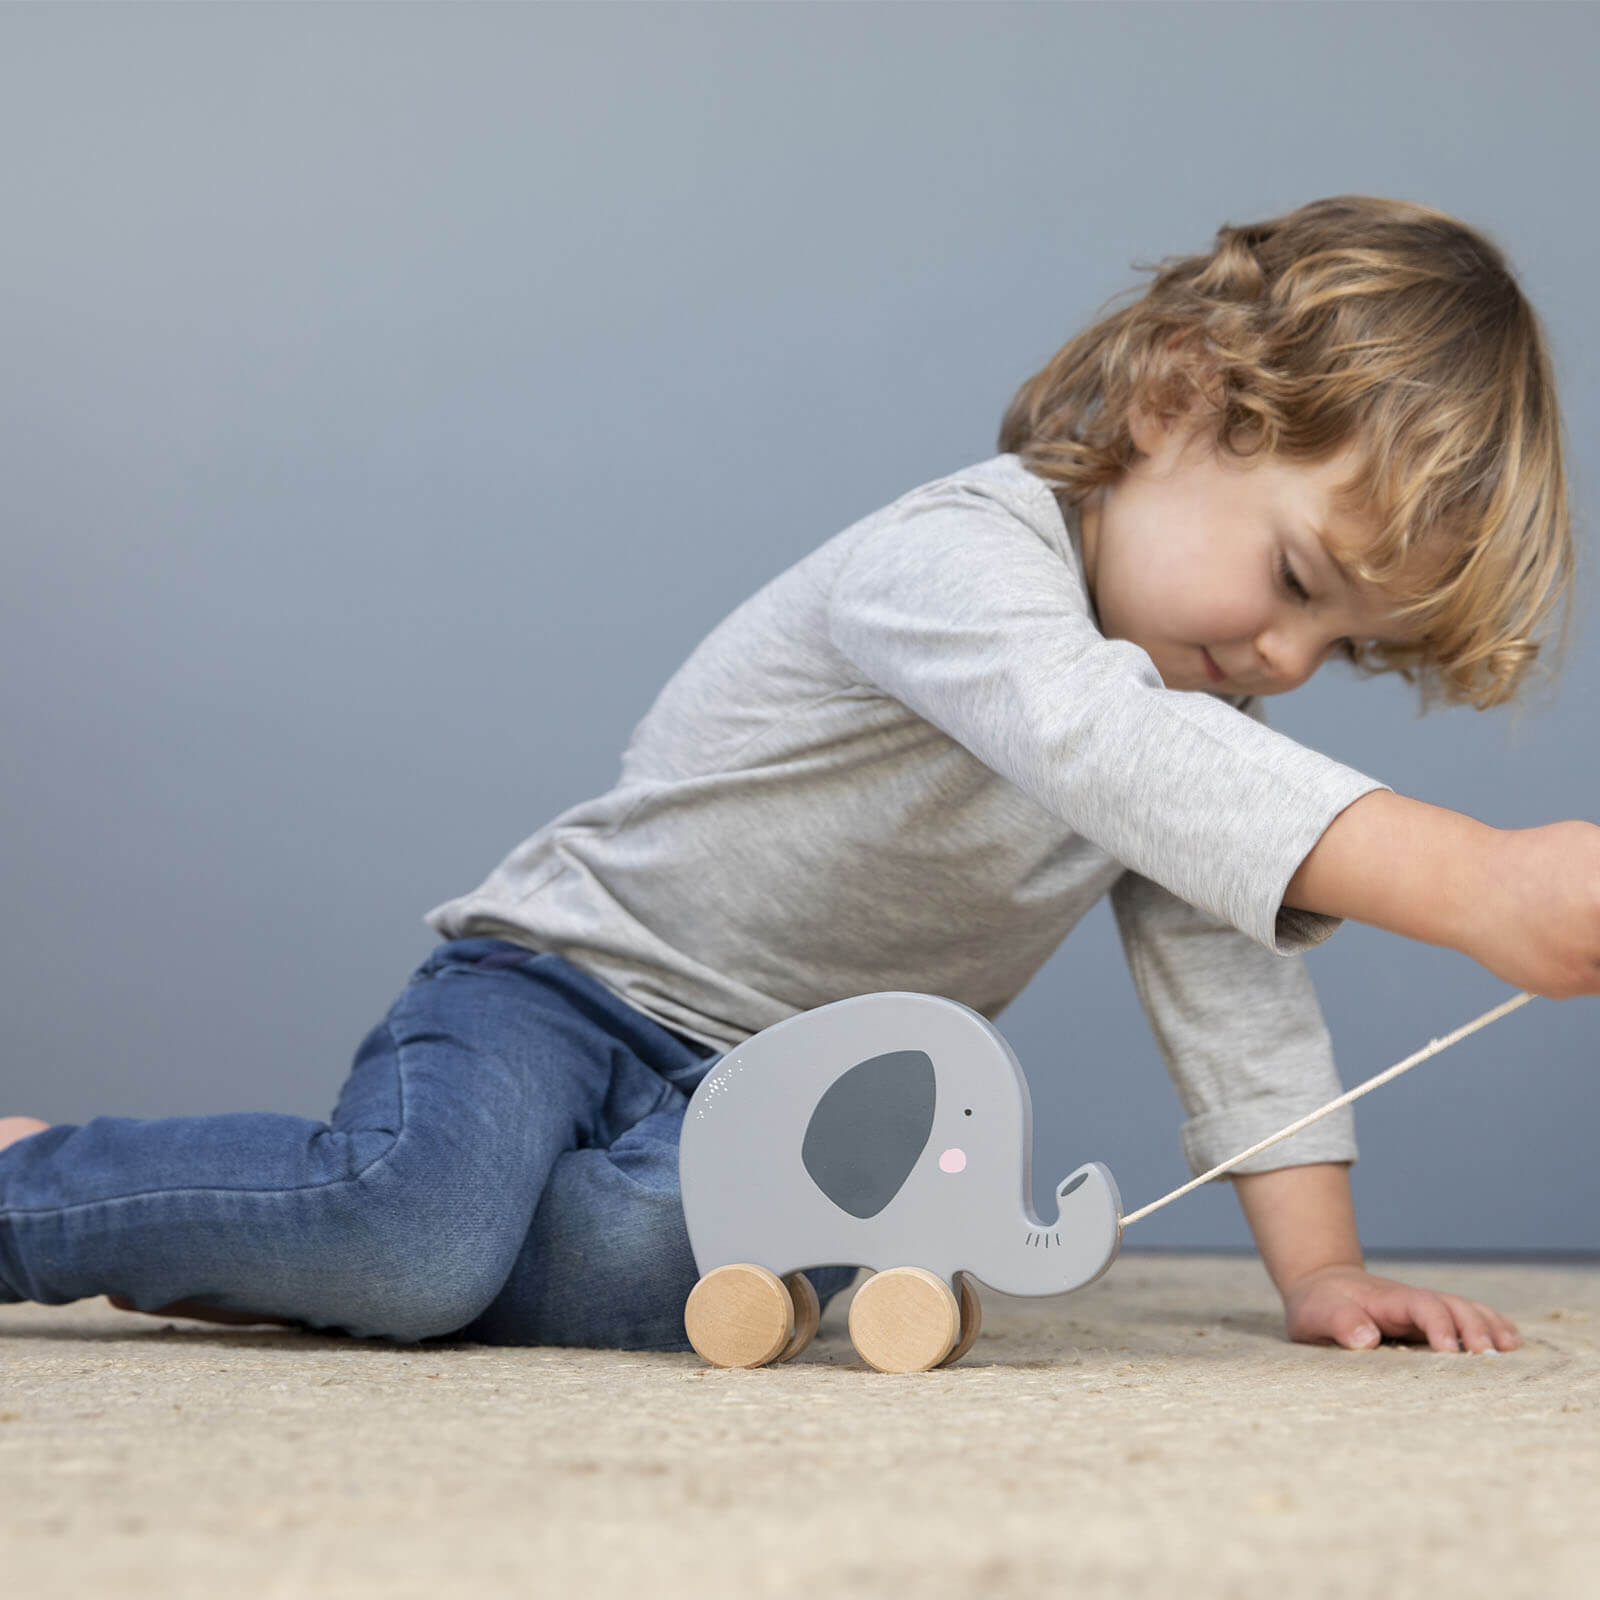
(956, 607)
(1239, 1029)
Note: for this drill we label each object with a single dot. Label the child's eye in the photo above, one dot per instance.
(1290, 582)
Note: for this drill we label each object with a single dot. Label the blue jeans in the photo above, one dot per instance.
(502, 1166)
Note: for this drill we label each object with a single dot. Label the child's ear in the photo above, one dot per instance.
(1151, 433)
(1148, 431)
(1161, 440)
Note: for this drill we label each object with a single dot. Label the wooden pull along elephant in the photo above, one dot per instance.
(891, 1131)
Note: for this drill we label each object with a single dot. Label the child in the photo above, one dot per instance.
(914, 760)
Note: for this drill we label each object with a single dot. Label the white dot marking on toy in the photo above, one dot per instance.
(717, 1082)
(1432, 1048)
(953, 1161)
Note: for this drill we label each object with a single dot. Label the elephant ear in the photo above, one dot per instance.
(868, 1130)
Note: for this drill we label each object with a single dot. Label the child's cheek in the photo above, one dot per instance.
(1228, 615)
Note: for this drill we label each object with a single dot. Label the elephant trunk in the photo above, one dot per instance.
(1074, 1249)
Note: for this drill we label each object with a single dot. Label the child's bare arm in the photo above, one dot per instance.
(1305, 1228)
(1523, 902)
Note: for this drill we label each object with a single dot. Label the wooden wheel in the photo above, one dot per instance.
(807, 1314)
(904, 1319)
(971, 1320)
(740, 1315)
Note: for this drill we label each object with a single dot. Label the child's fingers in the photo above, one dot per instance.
(1482, 1327)
(1504, 1329)
(1477, 1334)
(1348, 1324)
(1432, 1318)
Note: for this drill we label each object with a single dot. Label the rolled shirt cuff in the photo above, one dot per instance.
(1215, 1136)
(1287, 929)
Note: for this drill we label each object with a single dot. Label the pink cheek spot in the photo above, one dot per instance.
(953, 1161)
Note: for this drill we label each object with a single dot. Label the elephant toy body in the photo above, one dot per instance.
(887, 1130)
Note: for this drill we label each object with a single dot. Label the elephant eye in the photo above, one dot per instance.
(968, 1111)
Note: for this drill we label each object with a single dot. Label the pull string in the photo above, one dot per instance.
(1432, 1048)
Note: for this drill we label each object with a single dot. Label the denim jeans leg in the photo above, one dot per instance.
(401, 1217)
(607, 1261)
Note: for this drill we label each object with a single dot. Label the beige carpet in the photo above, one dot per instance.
(1153, 1434)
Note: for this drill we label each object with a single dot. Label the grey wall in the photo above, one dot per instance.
(374, 382)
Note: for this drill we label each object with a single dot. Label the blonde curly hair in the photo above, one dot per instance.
(1364, 322)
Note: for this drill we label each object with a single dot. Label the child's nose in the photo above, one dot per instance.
(1288, 658)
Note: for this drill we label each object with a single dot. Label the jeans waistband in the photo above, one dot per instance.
(682, 1061)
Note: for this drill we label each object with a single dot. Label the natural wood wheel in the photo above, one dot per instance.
(904, 1319)
(740, 1315)
(971, 1320)
(807, 1314)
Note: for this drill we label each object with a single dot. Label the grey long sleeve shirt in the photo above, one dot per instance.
(912, 761)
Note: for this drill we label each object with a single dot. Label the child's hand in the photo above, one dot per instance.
(1350, 1307)
(1523, 902)
(1539, 921)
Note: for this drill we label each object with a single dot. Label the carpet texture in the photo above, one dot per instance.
(1153, 1434)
